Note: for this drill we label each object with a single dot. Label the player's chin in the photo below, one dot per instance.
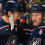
(35, 24)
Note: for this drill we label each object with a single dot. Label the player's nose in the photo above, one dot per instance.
(18, 17)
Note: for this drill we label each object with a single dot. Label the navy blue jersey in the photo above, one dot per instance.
(5, 30)
(20, 33)
(34, 35)
(26, 34)
(23, 34)
(37, 36)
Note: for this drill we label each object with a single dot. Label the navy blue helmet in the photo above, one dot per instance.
(13, 6)
(37, 8)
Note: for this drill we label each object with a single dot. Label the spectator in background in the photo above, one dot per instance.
(0, 9)
(27, 4)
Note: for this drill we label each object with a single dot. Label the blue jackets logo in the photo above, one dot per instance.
(40, 32)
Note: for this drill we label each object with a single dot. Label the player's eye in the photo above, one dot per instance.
(37, 15)
(32, 15)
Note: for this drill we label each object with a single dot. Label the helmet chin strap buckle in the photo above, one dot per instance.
(11, 22)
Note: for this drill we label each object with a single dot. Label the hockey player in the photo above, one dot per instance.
(12, 14)
(36, 30)
(37, 36)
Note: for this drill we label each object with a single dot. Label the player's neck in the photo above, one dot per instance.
(6, 19)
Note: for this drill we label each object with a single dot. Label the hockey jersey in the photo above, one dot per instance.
(5, 30)
(37, 35)
(34, 35)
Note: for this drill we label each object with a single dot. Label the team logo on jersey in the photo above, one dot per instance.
(12, 41)
(40, 32)
(35, 41)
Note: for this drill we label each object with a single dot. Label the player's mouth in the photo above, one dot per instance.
(34, 21)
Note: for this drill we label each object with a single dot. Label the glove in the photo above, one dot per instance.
(23, 20)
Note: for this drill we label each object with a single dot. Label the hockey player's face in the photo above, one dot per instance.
(17, 16)
(36, 18)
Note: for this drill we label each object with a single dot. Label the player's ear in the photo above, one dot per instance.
(9, 13)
